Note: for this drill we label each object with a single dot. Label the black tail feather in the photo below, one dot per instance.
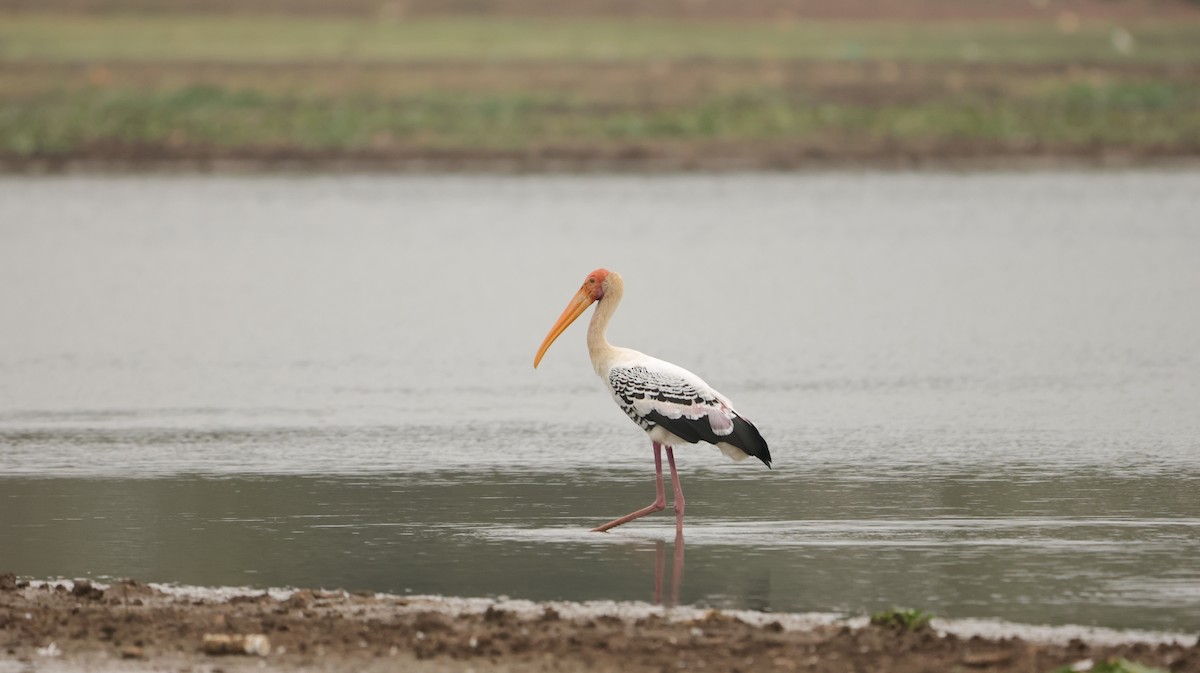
(744, 436)
(749, 440)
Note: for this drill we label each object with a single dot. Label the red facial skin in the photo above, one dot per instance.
(595, 283)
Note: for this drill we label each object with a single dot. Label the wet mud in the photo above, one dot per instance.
(133, 626)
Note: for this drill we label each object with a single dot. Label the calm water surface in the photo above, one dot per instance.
(981, 391)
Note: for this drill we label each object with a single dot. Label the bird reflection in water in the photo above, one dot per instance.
(660, 565)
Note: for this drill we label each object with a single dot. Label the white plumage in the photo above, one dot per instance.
(658, 395)
(673, 405)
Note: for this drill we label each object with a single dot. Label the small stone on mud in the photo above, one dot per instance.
(84, 589)
(50, 650)
(300, 599)
(133, 652)
(496, 616)
(222, 643)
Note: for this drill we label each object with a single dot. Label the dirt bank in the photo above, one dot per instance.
(132, 626)
(622, 158)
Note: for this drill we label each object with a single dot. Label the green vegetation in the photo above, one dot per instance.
(1070, 114)
(911, 620)
(213, 84)
(51, 37)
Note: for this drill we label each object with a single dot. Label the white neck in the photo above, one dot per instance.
(599, 349)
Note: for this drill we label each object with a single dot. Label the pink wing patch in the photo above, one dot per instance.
(720, 418)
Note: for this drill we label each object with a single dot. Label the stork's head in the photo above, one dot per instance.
(593, 289)
(595, 284)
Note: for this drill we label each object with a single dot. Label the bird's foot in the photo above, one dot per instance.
(656, 506)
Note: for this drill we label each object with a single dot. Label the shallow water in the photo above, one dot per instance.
(980, 391)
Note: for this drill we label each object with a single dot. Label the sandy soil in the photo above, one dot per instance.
(132, 626)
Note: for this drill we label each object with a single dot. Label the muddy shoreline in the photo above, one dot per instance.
(133, 626)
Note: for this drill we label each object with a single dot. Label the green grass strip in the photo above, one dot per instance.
(1130, 114)
(249, 39)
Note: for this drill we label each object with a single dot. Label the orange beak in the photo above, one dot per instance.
(578, 305)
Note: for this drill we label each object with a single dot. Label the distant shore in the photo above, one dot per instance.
(132, 626)
(513, 92)
(634, 159)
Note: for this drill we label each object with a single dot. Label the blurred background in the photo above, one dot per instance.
(594, 84)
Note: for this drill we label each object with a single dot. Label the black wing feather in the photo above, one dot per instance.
(744, 436)
(630, 384)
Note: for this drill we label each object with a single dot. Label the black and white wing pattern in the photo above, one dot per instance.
(657, 394)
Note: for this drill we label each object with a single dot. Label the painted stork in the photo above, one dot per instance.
(673, 405)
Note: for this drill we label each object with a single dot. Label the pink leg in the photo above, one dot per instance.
(679, 502)
(660, 502)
